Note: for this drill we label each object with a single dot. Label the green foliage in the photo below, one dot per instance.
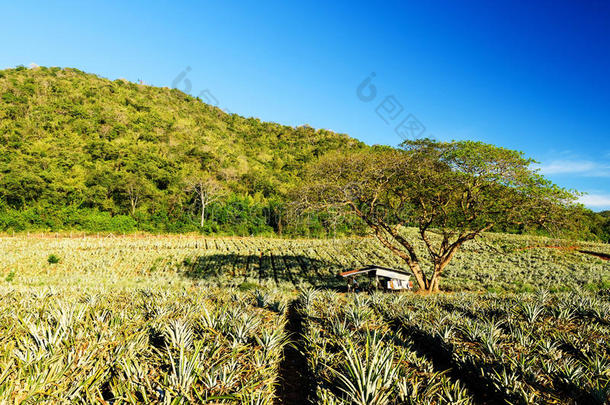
(82, 152)
(10, 276)
(53, 259)
(595, 225)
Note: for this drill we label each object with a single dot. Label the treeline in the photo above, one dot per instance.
(237, 215)
(597, 225)
(80, 152)
(585, 225)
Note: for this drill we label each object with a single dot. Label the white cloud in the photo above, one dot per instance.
(595, 200)
(586, 168)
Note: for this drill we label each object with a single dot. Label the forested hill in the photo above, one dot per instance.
(82, 152)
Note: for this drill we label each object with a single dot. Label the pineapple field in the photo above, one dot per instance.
(192, 319)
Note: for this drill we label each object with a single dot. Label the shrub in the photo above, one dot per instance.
(53, 259)
(123, 223)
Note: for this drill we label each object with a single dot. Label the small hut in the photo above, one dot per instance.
(384, 277)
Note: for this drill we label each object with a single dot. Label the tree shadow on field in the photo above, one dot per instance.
(295, 269)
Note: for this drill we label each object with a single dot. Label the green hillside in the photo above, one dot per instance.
(82, 152)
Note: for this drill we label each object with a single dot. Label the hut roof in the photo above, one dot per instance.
(379, 271)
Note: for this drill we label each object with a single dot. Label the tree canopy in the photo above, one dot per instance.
(451, 191)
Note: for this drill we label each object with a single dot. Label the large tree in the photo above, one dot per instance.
(450, 191)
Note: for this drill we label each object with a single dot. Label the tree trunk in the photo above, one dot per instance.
(436, 276)
(203, 204)
(420, 278)
(202, 213)
(133, 198)
(434, 282)
(134, 204)
(409, 257)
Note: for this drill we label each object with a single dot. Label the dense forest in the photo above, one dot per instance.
(80, 152)
(83, 152)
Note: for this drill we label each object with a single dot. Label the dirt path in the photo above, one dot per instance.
(431, 348)
(294, 383)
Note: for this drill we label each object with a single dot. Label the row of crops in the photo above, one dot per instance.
(139, 346)
(186, 319)
(460, 349)
(494, 263)
(220, 345)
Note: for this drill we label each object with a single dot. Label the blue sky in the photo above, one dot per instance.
(532, 77)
